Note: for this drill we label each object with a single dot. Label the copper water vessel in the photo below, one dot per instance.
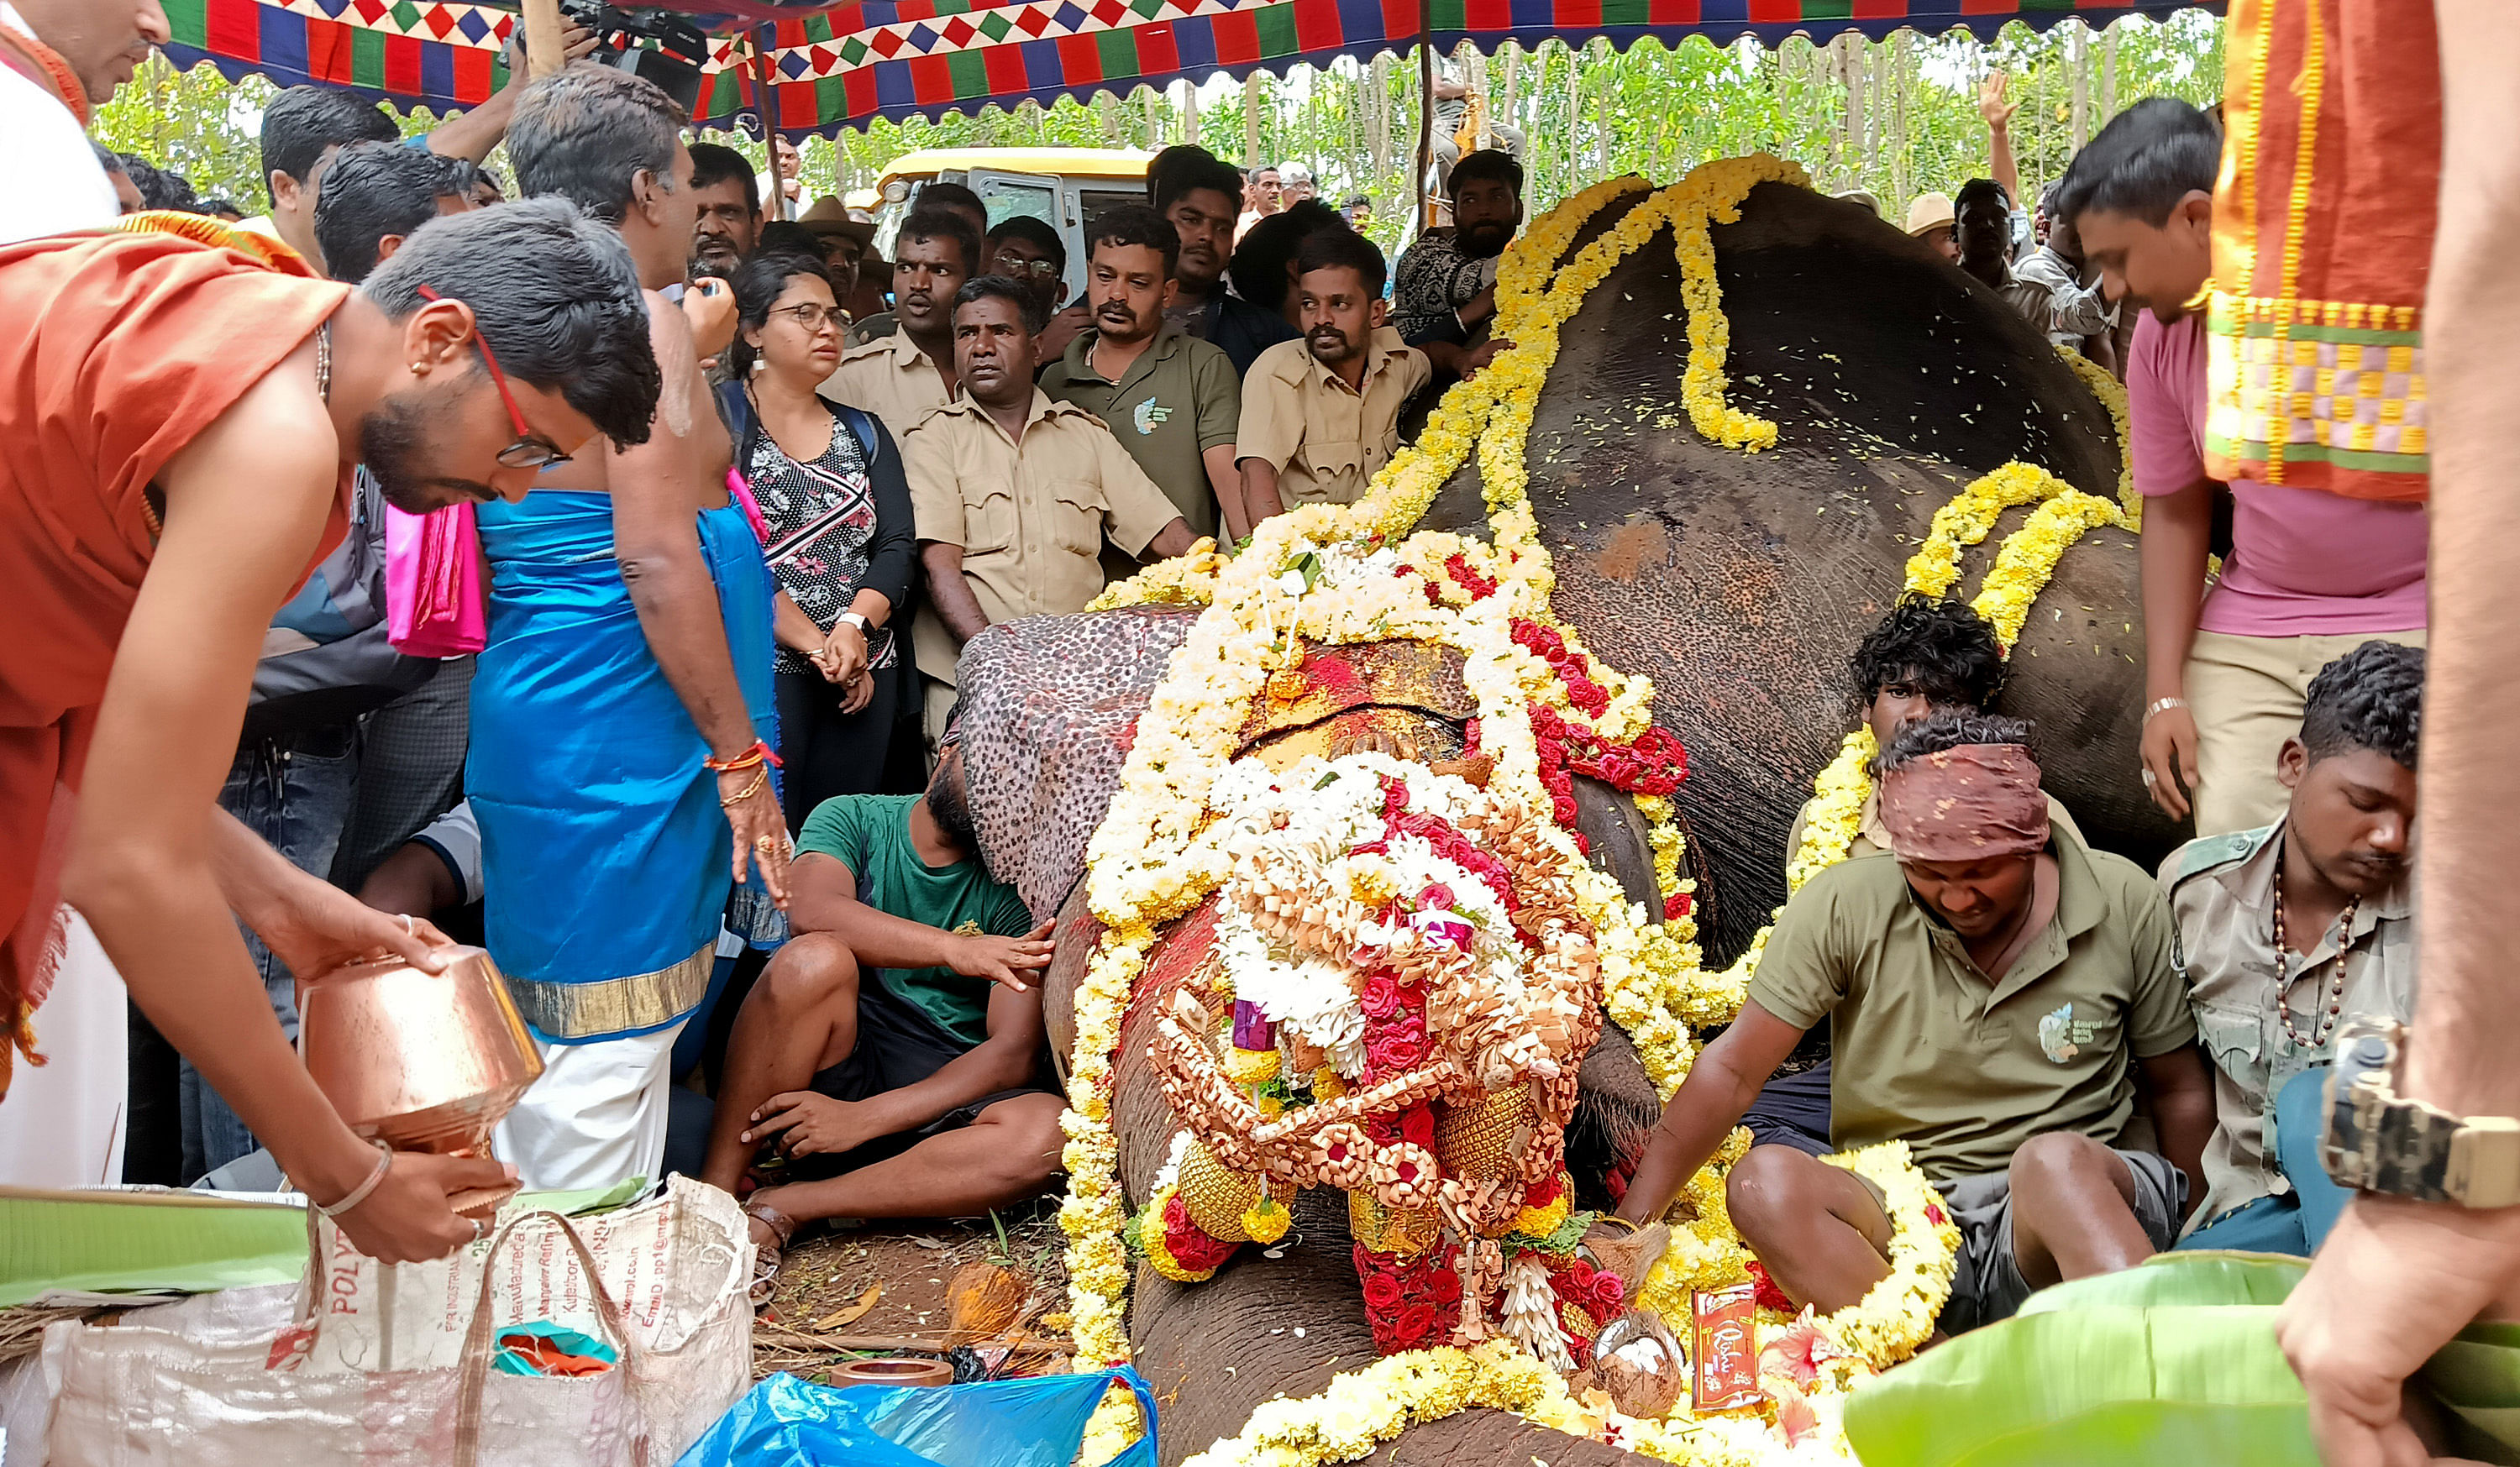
(421, 1061)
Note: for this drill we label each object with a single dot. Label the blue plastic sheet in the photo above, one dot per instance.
(1039, 1422)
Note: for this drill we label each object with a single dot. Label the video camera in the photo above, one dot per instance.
(657, 44)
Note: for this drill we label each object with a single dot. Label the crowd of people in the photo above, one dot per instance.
(744, 490)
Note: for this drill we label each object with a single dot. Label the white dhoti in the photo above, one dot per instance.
(595, 1117)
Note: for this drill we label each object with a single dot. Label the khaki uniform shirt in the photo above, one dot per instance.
(1179, 399)
(1963, 1070)
(1325, 440)
(890, 377)
(1031, 516)
(1872, 838)
(2221, 895)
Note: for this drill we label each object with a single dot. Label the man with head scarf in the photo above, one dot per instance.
(1997, 994)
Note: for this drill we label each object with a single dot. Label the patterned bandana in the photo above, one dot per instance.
(1965, 804)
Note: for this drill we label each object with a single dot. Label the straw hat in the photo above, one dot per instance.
(1930, 211)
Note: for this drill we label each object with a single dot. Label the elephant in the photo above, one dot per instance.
(1739, 583)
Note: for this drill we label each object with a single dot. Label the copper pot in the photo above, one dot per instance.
(421, 1061)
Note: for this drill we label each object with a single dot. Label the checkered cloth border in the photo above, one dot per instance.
(2333, 383)
(901, 59)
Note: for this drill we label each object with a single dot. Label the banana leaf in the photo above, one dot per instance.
(2174, 1360)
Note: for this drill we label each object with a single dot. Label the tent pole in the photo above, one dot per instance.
(1425, 106)
(777, 201)
(545, 51)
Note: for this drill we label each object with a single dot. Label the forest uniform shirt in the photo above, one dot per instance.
(1175, 401)
(1031, 516)
(1324, 438)
(890, 377)
(2222, 897)
(1928, 1052)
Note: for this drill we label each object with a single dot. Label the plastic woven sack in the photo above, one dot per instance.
(1038, 1422)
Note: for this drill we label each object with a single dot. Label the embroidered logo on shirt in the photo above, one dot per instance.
(2060, 1038)
(1148, 416)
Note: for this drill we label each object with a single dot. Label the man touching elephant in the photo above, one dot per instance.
(888, 1056)
(1993, 990)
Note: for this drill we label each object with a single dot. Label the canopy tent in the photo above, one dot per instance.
(844, 65)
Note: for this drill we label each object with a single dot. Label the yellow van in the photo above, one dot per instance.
(1062, 187)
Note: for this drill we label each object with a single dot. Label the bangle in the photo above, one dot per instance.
(359, 1193)
(758, 753)
(1615, 1217)
(760, 778)
(2161, 705)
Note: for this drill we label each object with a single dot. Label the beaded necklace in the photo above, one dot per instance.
(2321, 1024)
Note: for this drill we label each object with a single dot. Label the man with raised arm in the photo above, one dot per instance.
(622, 711)
(160, 506)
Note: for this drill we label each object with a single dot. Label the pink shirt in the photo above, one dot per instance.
(2304, 562)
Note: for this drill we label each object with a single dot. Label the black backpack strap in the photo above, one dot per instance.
(861, 427)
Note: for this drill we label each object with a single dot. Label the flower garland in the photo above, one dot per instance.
(1150, 860)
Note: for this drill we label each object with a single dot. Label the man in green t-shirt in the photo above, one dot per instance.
(888, 1061)
(1997, 991)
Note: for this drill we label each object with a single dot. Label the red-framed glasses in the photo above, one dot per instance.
(529, 451)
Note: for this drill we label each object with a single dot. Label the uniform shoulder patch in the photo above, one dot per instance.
(2211, 852)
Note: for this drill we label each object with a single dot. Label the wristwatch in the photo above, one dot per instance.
(857, 621)
(2380, 1142)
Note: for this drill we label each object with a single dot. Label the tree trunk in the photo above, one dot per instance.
(2078, 54)
(1899, 67)
(1511, 91)
(1605, 65)
(2108, 74)
(1189, 111)
(1377, 117)
(1574, 118)
(1251, 122)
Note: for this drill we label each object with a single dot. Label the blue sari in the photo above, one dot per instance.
(604, 854)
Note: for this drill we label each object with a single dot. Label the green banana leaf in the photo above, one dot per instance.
(2174, 1360)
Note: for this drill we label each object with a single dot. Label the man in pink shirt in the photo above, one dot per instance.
(2310, 576)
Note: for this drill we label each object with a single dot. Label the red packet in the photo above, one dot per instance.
(1724, 1348)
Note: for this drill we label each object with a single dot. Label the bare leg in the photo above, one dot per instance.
(1815, 1229)
(2073, 1210)
(1007, 1154)
(800, 1018)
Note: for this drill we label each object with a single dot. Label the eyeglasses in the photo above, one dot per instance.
(529, 451)
(813, 316)
(1016, 264)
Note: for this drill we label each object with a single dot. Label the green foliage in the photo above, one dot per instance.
(1590, 114)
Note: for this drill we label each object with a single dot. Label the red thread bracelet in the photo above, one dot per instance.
(759, 753)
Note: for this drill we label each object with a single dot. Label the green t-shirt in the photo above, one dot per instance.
(870, 835)
(1928, 1052)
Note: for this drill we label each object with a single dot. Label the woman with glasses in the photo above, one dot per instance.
(836, 527)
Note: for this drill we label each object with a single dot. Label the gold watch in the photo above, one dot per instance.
(2377, 1140)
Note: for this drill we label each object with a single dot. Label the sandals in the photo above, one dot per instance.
(767, 1260)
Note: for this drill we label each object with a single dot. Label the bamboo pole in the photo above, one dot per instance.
(1426, 110)
(758, 43)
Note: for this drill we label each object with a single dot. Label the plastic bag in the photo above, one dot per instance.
(1039, 1422)
(436, 602)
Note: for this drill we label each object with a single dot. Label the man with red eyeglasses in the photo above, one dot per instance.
(172, 478)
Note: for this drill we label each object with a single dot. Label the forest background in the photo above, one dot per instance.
(1897, 116)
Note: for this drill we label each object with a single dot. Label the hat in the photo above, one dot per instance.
(1930, 211)
(829, 219)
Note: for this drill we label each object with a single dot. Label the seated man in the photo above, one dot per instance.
(891, 1078)
(1322, 416)
(1993, 990)
(2267, 920)
(1927, 656)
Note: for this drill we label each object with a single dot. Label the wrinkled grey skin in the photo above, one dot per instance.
(1740, 583)
(1727, 584)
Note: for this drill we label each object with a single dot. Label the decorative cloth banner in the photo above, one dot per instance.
(2322, 243)
(845, 64)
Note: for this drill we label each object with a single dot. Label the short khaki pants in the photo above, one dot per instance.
(2245, 693)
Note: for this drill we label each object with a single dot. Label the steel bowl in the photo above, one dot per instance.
(421, 1061)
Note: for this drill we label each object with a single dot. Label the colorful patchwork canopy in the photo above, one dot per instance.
(841, 65)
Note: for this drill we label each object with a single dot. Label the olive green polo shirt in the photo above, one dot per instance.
(1965, 1070)
(1179, 399)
